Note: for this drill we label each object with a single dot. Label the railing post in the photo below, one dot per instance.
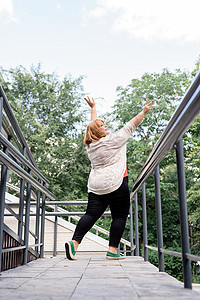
(118, 249)
(55, 232)
(1, 112)
(27, 221)
(159, 219)
(124, 248)
(37, 220)
(136, 225)
(21, 203)
(183, 215)
(131, 228)
(2, 188)
(144, 218)
(42, 224)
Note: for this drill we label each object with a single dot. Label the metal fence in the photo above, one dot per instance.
(58, 211)
(171, 138)
(19, 159)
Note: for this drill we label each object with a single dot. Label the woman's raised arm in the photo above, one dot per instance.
(91, 103)
(138, 119)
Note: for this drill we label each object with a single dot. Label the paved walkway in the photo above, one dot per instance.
(91, 278)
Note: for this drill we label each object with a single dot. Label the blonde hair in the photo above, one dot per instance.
(93, 134)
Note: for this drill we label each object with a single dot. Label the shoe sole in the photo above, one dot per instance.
(116, 258)
(69, 254)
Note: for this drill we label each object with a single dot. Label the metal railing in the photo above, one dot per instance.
(22, 163)
(75, 215)
(171, 138)
(58, 211)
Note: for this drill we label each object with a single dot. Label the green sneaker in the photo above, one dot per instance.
(111, 255)
(70, 251)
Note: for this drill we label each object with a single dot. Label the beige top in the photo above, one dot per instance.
(108, 160)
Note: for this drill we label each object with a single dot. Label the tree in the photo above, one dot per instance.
(166, 90)
(49, 112)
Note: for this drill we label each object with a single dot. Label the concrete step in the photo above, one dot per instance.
(91, 277)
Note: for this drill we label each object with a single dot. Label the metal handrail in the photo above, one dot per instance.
(25, 175)
(192, 257)
(173, 253)
(77, 218)
(5, 250)
(13, 214)
(20, 157)
(183, 117)
(15, 125)
(17, 189)
(22, 163)
(9, 131)
(59, 214)
(73, 215)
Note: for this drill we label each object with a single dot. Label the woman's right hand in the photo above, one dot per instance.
(90, 102)
(138, 119)
(147, 107)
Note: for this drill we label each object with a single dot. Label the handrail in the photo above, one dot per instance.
(17, 189)
(173, 253)
(192, 257)
(63, 214)
(184, 115)
(12, 213)
(51, 204)
(22, 173)
(9, 130)
(15, 125)
(77, 218)
(17, 157)
(20, 157)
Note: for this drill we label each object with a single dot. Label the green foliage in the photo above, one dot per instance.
(50, 113)
(166, 90)
(43, 104)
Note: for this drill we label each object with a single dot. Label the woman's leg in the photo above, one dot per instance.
(119, 206)
(96, 207)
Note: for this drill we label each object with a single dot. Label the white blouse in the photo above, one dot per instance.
(108, 160)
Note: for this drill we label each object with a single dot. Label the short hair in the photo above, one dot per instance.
(93, 133)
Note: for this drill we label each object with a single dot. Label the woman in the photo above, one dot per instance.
(108, 180)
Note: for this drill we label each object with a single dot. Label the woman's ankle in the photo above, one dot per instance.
(76, 243)
(112, 249)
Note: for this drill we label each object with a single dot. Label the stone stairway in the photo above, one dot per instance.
(91, 277)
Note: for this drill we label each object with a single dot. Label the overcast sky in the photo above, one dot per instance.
(108, 41)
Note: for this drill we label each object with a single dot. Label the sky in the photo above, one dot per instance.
(109, 42)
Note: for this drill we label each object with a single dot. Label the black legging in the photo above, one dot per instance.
(119, 202)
